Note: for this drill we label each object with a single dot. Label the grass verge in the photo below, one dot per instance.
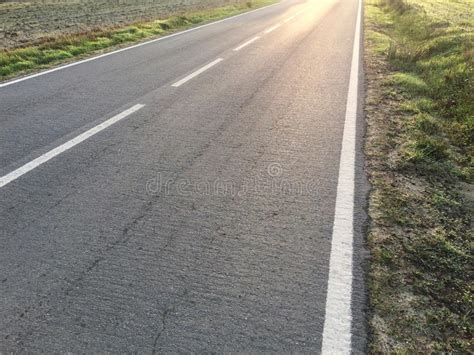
(419, 59)
(53, 51)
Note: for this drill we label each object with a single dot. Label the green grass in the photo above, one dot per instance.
(57, 50)
(420, 111)
(435, 60)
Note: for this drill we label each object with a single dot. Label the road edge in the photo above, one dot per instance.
(337, 332)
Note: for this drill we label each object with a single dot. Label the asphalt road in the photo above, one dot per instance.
(203, 220)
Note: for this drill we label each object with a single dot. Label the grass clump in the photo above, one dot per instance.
(411, 83)
(59, 49)
(420, 113)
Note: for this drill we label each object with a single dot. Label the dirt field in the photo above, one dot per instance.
(26, 22)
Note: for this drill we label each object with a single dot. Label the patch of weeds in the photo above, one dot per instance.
(409, 83)
(53, 55)
(380, 41)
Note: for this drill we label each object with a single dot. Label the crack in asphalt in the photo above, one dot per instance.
(164, 317)
(163, 327)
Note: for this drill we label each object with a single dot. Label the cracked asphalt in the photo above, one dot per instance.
(200, 223)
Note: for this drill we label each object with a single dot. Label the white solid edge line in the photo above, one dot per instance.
(14, 81)
(197, 72)
(245, 44)
(338, 314)
(15, 174)
(273, 28)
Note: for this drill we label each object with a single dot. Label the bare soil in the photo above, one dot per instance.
(29, 22)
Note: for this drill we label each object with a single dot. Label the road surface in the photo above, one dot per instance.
(188, 194)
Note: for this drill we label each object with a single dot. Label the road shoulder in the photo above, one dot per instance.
(419, 288)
